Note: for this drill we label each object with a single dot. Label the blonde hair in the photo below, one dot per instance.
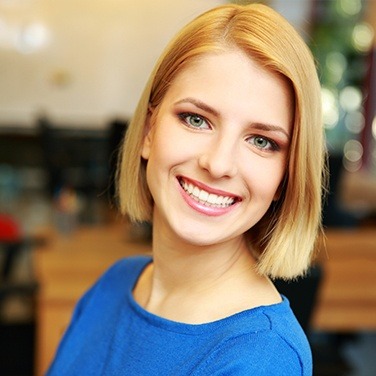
(284, 239)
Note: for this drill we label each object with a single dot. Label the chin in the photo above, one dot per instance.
(204, 239)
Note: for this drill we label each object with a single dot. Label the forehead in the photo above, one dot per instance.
(236, 84)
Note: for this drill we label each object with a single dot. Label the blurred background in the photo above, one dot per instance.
(71, 73)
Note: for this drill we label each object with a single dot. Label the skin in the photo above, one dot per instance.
(223, 126)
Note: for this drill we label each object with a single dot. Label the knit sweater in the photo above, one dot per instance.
(110, 334)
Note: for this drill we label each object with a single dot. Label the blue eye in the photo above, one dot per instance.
(194, 121)
(263, 143)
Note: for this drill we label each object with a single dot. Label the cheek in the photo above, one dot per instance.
(170, 145)
(264, 179)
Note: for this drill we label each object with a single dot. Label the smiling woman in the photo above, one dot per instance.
(283, 240)
(224, 156)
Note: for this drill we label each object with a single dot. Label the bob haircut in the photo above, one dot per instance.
(284, 239)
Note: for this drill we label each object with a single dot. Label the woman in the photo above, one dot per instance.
(225, 156)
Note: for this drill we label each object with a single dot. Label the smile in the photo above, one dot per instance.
(206, 198)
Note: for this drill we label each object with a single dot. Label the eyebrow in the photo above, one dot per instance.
(270, 128)
(199, 104)
(260, 126)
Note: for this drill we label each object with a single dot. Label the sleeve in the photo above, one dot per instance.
(261, 354)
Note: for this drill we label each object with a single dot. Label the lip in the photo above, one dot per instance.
(209, 189)
(204, 209)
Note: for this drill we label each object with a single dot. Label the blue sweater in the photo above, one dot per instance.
(110, 334)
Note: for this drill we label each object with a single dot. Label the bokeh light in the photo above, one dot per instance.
(362, 37)
(330, 108)
(32, 38)
(336, 64)
(24, 38)
(349, 7)
(355, 122)
(353, 153)
(350, 98)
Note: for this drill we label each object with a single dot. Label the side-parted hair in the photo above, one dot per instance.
(283, 241)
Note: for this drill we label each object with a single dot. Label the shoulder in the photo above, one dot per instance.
(113, 285)
(263, 353)
(127, 268)
(102, 303)
(269, 342)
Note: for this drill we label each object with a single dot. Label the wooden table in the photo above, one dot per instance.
(69, 265)
(347, 297)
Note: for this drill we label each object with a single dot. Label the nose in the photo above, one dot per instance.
(219, 158)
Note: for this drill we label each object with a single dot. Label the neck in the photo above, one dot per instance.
(195, 284)
(178, 265)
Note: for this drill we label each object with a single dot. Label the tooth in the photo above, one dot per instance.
(203, 195)
(196, 191)
(212, 198)
(219, 200)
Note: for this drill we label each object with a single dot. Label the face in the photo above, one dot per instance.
(217, 148)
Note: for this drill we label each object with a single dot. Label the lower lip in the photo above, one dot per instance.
(203, 209)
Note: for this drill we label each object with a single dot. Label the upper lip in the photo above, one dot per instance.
(208, 189)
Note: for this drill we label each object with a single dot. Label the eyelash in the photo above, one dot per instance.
(273, 146)
(185, 115)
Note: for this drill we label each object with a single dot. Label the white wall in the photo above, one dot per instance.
(97, 54)
(96, 60)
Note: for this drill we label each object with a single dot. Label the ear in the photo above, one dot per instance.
(148, 135)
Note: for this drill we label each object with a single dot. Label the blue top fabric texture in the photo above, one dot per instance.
(110, 334)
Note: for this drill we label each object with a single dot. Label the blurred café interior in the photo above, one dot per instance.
(71, 72)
